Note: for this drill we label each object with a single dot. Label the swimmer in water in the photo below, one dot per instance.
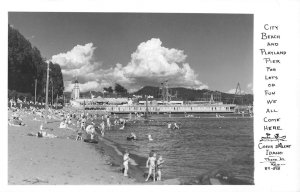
(169, 125)
(123, 122)
(150, 138)
(176, 126)
(132, 136)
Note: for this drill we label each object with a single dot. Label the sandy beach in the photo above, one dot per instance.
(62, 160)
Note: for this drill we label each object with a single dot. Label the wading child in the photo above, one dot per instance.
(160, 161)
(176, 126)
(102, 128)
(169, 125)
(125, 163)
(151, 164)
(108, 123)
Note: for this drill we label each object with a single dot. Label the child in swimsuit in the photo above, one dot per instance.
(102, 128)
(176, 126)
(108, 122)
(83, 123)
(125, 163)
(79, 135)
(160, 161)
(151, 161)
(169, 125)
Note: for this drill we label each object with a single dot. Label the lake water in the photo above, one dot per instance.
(205, 145)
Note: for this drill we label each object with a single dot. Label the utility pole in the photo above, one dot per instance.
(84, 107)
(47, 86)
(146, 114)
(52, 92)
(56, 100)
(35, 91)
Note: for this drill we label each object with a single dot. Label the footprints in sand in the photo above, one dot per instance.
(68, 174)
(35, 181)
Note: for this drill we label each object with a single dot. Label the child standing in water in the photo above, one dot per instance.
(125, 163)
(102, 128)
(160, 161)
(151, 160)
(108, 123)
(176, 126)
(169, 125)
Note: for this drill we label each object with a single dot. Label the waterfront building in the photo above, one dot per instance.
(75, 91)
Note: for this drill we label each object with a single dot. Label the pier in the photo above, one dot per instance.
(209, 108)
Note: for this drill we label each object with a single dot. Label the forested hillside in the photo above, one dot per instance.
(25, 65)
(186, 94)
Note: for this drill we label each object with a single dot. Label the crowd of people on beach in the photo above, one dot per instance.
(91, 126)
(87, 126)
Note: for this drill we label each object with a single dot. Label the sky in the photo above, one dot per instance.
(199, 51)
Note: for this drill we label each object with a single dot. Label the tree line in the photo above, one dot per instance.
(26, 66)
(116, 91)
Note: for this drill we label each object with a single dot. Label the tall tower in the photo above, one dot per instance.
(238, 94)
(76, 90)
(165, 93)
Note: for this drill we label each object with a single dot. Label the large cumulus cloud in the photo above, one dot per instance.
(150, 64)
(78, 57)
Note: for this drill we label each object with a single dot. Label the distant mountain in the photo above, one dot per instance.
(184, 94)
(148, 90)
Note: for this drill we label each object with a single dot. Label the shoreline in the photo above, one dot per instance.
(137, 171)
(55, 161)
(63, 160)
(76, 162)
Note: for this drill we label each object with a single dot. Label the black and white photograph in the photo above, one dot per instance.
(150, 96)
(130, 98)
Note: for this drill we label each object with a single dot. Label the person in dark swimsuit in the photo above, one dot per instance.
(160, 161)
